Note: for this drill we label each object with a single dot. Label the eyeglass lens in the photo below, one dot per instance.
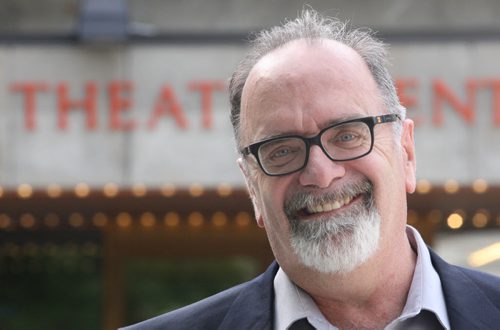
(341, 142)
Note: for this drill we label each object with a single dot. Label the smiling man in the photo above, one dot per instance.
(328, 157)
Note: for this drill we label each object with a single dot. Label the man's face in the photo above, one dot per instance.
(329, 209)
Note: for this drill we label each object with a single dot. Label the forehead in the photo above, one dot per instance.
(303, 86)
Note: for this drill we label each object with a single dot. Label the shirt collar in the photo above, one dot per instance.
(292, 303)
(425, 290)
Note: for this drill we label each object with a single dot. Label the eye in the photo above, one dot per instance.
(346, 137)
(282, 152)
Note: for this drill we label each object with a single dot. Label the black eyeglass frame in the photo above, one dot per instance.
(316, 140)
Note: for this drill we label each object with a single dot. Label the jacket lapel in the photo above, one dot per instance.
(468, 306)
(254, 306)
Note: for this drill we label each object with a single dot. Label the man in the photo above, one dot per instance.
(328, 157)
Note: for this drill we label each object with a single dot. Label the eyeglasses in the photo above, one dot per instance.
(347, 140)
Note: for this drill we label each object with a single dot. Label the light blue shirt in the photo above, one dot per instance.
(292, 303)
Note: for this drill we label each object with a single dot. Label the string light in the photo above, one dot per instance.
(480, 186)
(219, 219)
(27, 220)
(5, 221)
(110, 190)
(480, 219)
(82, 190)
(224, 190)
(168, 190)
(451, 186)
(423, 186)
(24, 191)
(195, 219)
(171, 219)
(123, 220)
(455, 221)
(54, 191)
(139, 190)
(100, 219)
(147, 220)
(243, 219)
(196, 190)
(76, 220)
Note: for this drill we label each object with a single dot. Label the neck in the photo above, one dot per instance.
(371, 296)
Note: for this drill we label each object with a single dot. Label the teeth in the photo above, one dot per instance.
(328, 206)
(335, 205)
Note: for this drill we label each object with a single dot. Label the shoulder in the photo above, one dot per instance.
(214, 311)
(468, 283)
(457, 273)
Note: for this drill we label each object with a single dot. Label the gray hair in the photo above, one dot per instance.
(310, 25)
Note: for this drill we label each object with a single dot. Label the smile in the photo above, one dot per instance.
(329, 206)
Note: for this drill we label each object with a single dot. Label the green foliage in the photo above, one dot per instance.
(49, 293)
(157, 286)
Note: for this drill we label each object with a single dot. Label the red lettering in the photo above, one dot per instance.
(119, 104)
(494, 84)
(167, 105)
(206, 88)
(29, 90)
(443, 93)
(89, 104)
(403, 85)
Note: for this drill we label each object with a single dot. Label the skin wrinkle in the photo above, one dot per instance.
(305, 109)
(291, 82)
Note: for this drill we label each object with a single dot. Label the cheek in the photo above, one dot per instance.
(272, 197)
(387, 179)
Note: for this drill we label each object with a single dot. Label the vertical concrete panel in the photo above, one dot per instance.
(48, 154)
(170, 153)
(4, 79)
(455, 149)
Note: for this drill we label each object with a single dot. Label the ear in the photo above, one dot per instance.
(251, 190)
(410, 164)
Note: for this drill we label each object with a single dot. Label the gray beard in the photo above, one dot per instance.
(335, 244)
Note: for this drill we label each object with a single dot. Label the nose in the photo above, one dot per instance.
(320, 171)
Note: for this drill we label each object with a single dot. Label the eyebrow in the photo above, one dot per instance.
(296, 133)
(342, 119)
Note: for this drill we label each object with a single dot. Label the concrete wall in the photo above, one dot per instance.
(243, 15)
(457, 147)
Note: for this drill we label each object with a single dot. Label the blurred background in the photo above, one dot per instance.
(120, 197)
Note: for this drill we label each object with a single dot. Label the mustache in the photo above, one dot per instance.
(299, 200)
